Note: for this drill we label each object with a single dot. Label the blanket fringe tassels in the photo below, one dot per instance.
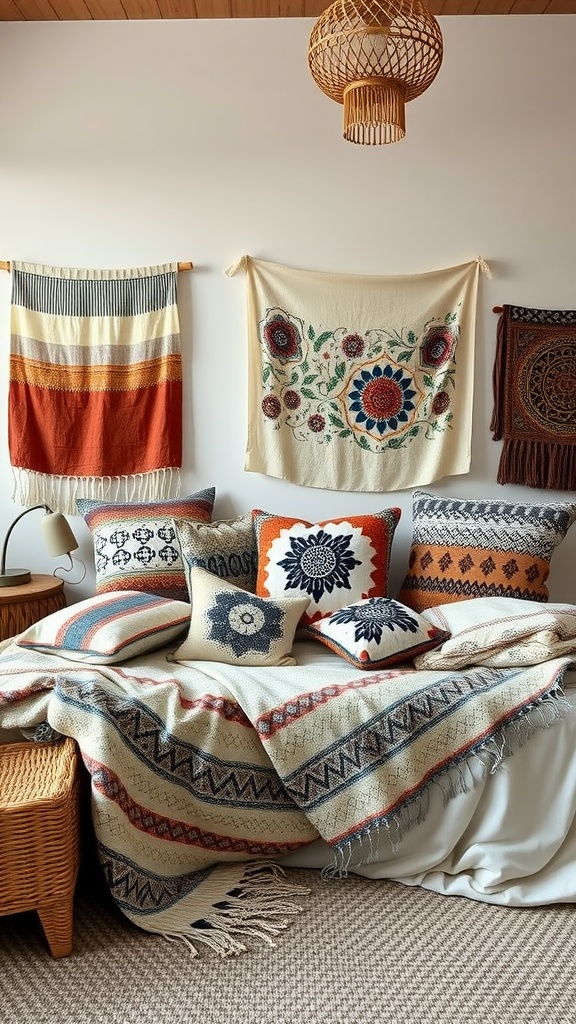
(60, 492)
(258, 904)
(459, 776)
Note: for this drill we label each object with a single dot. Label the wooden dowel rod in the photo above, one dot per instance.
(5, 265)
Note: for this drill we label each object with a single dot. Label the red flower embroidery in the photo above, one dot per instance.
(437, 346)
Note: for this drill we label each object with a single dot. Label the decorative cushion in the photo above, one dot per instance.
(469, 548)
(135, 545)
(500, 632)
(108, 628)
(226, 548)
(376, 632)
(334, 563)
(236, 627)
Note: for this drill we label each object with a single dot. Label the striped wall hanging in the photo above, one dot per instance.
(95, 394)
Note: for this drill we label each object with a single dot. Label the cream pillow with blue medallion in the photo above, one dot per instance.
(236, 627)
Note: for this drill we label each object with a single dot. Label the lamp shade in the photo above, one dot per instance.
(58, 537)
(57, 534)
(373, 56)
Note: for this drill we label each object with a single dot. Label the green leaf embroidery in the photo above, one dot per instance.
(345, 433)
(309, 378)
(311, 333)
(335, 420)
(405, 356)
(307, 393)
(325, 336)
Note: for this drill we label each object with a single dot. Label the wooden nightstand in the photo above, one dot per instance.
(21, 606)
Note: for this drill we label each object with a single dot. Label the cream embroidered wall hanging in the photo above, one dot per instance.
(360, 383)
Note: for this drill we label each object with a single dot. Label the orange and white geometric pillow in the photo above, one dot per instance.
(481, 548)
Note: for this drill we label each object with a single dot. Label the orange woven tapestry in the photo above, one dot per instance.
(535, 397)
(95, 398)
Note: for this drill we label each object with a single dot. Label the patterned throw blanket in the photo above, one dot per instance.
(204, 774)
(360, 383)
(535, 397)
(95, 367)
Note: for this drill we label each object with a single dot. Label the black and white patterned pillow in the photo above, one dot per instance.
(135, 543)
(225, 547)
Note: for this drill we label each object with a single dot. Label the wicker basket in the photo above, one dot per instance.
(39, 835)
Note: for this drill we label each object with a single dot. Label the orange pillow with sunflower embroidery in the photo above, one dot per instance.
(464, 548)
(334, 563)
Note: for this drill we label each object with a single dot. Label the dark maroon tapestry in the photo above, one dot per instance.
(534, 384)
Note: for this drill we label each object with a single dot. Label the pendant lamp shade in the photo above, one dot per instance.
(374, 56)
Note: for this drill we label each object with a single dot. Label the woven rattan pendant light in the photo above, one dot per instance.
(374, 56)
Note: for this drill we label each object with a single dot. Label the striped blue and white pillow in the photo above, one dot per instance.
(108, 628)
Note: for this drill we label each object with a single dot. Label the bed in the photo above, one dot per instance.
(288, 713)
(210, 780)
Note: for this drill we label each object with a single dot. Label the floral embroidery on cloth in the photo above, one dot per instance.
(360, 383)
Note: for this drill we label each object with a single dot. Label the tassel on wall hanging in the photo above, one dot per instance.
(95, 396)
(534, 382)
(360, 383)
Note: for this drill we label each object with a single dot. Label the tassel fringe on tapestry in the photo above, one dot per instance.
(95, 397)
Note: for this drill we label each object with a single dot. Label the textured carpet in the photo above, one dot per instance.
(375, 952)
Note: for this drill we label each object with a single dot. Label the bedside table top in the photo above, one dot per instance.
(39, 586)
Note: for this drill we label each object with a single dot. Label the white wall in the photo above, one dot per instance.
(126, 144)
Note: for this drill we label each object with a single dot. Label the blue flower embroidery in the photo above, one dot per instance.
(372, 616)
(319, 562)
(244, 623)
(381, 398)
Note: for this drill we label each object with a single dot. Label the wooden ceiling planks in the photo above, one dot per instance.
(115, 10)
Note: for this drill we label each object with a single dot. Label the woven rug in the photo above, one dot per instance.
(535, 397)
(369, 951)
(360, 383)
(95, 396)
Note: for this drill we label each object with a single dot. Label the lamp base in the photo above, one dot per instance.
(15, 577)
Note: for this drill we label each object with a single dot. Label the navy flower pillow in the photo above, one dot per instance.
(334, 562)
(376, 632)
(236, 627)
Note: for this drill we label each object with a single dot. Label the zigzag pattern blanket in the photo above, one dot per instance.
(204, 774)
